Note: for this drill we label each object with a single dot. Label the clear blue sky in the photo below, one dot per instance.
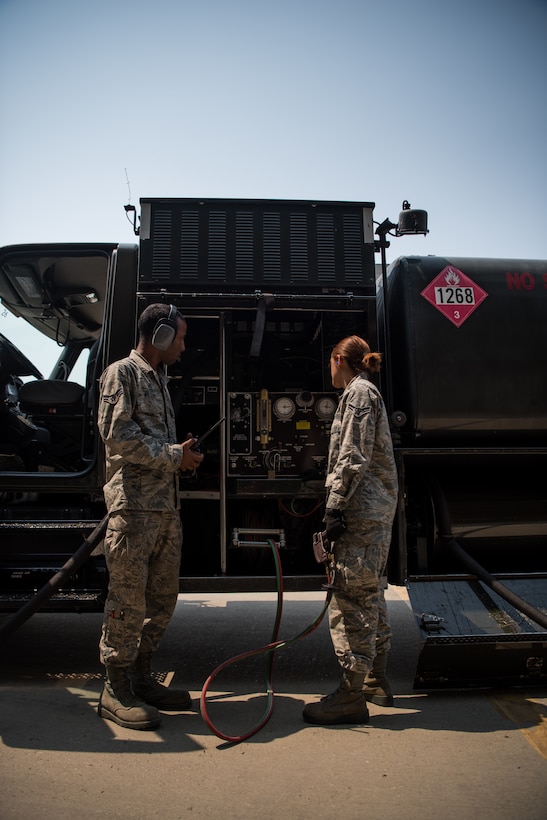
(441, 103)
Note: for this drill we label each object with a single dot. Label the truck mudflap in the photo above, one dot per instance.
(472, 637)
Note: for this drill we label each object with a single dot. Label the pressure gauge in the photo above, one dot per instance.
(325, 407)
(284, 407)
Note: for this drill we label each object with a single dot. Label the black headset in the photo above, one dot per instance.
(165, 330)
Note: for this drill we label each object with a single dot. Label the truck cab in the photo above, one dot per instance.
(267, 288)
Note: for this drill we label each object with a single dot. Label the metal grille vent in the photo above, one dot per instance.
(244, 246)
(162, 227)
(353, 253)
(272, 247)
(216, 247)
(253, 242)
(326, 262)
(299, 261)
(189, 256)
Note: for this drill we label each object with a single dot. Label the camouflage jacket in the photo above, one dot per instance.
(137, 424)
(361, 472)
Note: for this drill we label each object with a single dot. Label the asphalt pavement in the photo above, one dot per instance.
(432, 756)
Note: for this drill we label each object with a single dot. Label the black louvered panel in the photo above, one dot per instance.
(271, 246)
(162, 231)
(256, 242)
(298, 244)
(244, 246)
(326, 256)
(216, 247)
(353, 248)
(189, 246)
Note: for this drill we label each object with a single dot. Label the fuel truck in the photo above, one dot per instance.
(268, 287)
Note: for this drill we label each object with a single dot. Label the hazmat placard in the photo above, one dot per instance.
(454, 294)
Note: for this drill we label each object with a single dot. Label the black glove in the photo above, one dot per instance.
(335, 524)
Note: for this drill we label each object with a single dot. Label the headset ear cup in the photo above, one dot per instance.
(163, 336)
(165, 330)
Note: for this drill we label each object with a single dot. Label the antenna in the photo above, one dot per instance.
(129, 208)
(128, 187)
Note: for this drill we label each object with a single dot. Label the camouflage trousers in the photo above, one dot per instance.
(358, 618)
(142, 551)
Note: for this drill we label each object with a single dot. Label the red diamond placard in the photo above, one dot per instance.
(454, 294)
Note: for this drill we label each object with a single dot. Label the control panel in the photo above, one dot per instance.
(281, 434)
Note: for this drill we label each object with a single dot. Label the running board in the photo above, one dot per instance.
(472, 637)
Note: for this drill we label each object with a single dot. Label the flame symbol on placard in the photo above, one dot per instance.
(452, 277)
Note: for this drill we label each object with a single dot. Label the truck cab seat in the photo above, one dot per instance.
(51, 397)
(56, 408)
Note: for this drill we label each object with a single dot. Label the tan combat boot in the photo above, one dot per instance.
(345, 705)
(118, 703)
(377, 689)
(148, 689)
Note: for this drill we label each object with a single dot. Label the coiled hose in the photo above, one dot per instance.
(268, 650)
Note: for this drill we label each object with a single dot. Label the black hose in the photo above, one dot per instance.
(445, 533)
(55, 582)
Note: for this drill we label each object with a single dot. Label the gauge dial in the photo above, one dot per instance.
(284, 407)
(325, 407)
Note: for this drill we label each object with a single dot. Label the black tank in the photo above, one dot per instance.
(468, 349)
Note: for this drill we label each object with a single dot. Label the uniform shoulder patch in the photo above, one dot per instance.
(113, 398)
(359, 412)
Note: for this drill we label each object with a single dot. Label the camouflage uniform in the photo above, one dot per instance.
(362, 483)
(144, 536)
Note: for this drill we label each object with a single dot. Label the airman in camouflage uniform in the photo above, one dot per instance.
(144, 535)
(361, 498)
